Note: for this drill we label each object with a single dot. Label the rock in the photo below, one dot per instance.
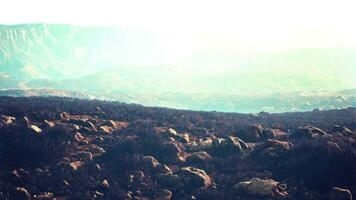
(7, 120)
(342, 130)
(233, 144)
(20, 174)
(150, 162)
(106, 129)
(163, 169)
(181, 137)
(228, 145)
(162, 194)
(78, 137)
(268, 187)
(337, 193)
(24, 121)
(270, 133)
(271, 149)
(48, 124)
(173, 151)
(200, 156)
(76, 165)
(21, 194)
(97, 150)
(308, 132)
(105, 184)
(83, 122)
(110, 123)
(44, 196)
(172, 181)
(201, 145)
(251, 133)
(64, 115)
(85, 156)
(97, 195)
(35, 129)
(194, 177)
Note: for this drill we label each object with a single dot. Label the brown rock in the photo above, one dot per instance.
(337, 193)
(251, 133)
(162, 194)
(194, 177)
(200, 156)
(21, 194)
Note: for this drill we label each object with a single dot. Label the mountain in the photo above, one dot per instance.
(131, 66)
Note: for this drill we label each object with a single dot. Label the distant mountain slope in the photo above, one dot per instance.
(37, 51)
(130, 66)
(45, 93)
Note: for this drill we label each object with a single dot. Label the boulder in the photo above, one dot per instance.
(150, 162)
(162, 194)
(181, 137)
(251, 133)
(200, 156)
(163, 169)
(268, 187)
(44, 196)
(233, 144)
(76, 165)
(337, 193)
(6, 120)
(48, 124)
(171, 181)
(341, 130)
(270, 133)
(194, 178)
(105, 184)
(106, 129)
(271, 149)
(21, 194)
(35, 129)
(308, 132)
(201, 145)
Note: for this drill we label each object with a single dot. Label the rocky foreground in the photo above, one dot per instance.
(64, 149)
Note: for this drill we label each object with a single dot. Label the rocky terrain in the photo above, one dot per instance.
(64, 149)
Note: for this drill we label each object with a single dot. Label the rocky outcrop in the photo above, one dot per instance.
(268, 187)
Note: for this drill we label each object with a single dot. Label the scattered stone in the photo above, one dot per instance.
(150, 162)
(22, 194)
(106, 129)
(251, 133)
(181, 137)
(163, 194)
(7, 120)
(35, 129)
(194, 177)
(337, 193)
(48, 124)
(85, 156)
(44, 196)
(201, 145)
(105, 184)
(97, 150)
(76, 165)
(63, 115)
(268, 187)
(308, 132)
(271, 149)
(200, 156)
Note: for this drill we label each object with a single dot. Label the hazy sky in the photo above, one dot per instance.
(237, 25)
